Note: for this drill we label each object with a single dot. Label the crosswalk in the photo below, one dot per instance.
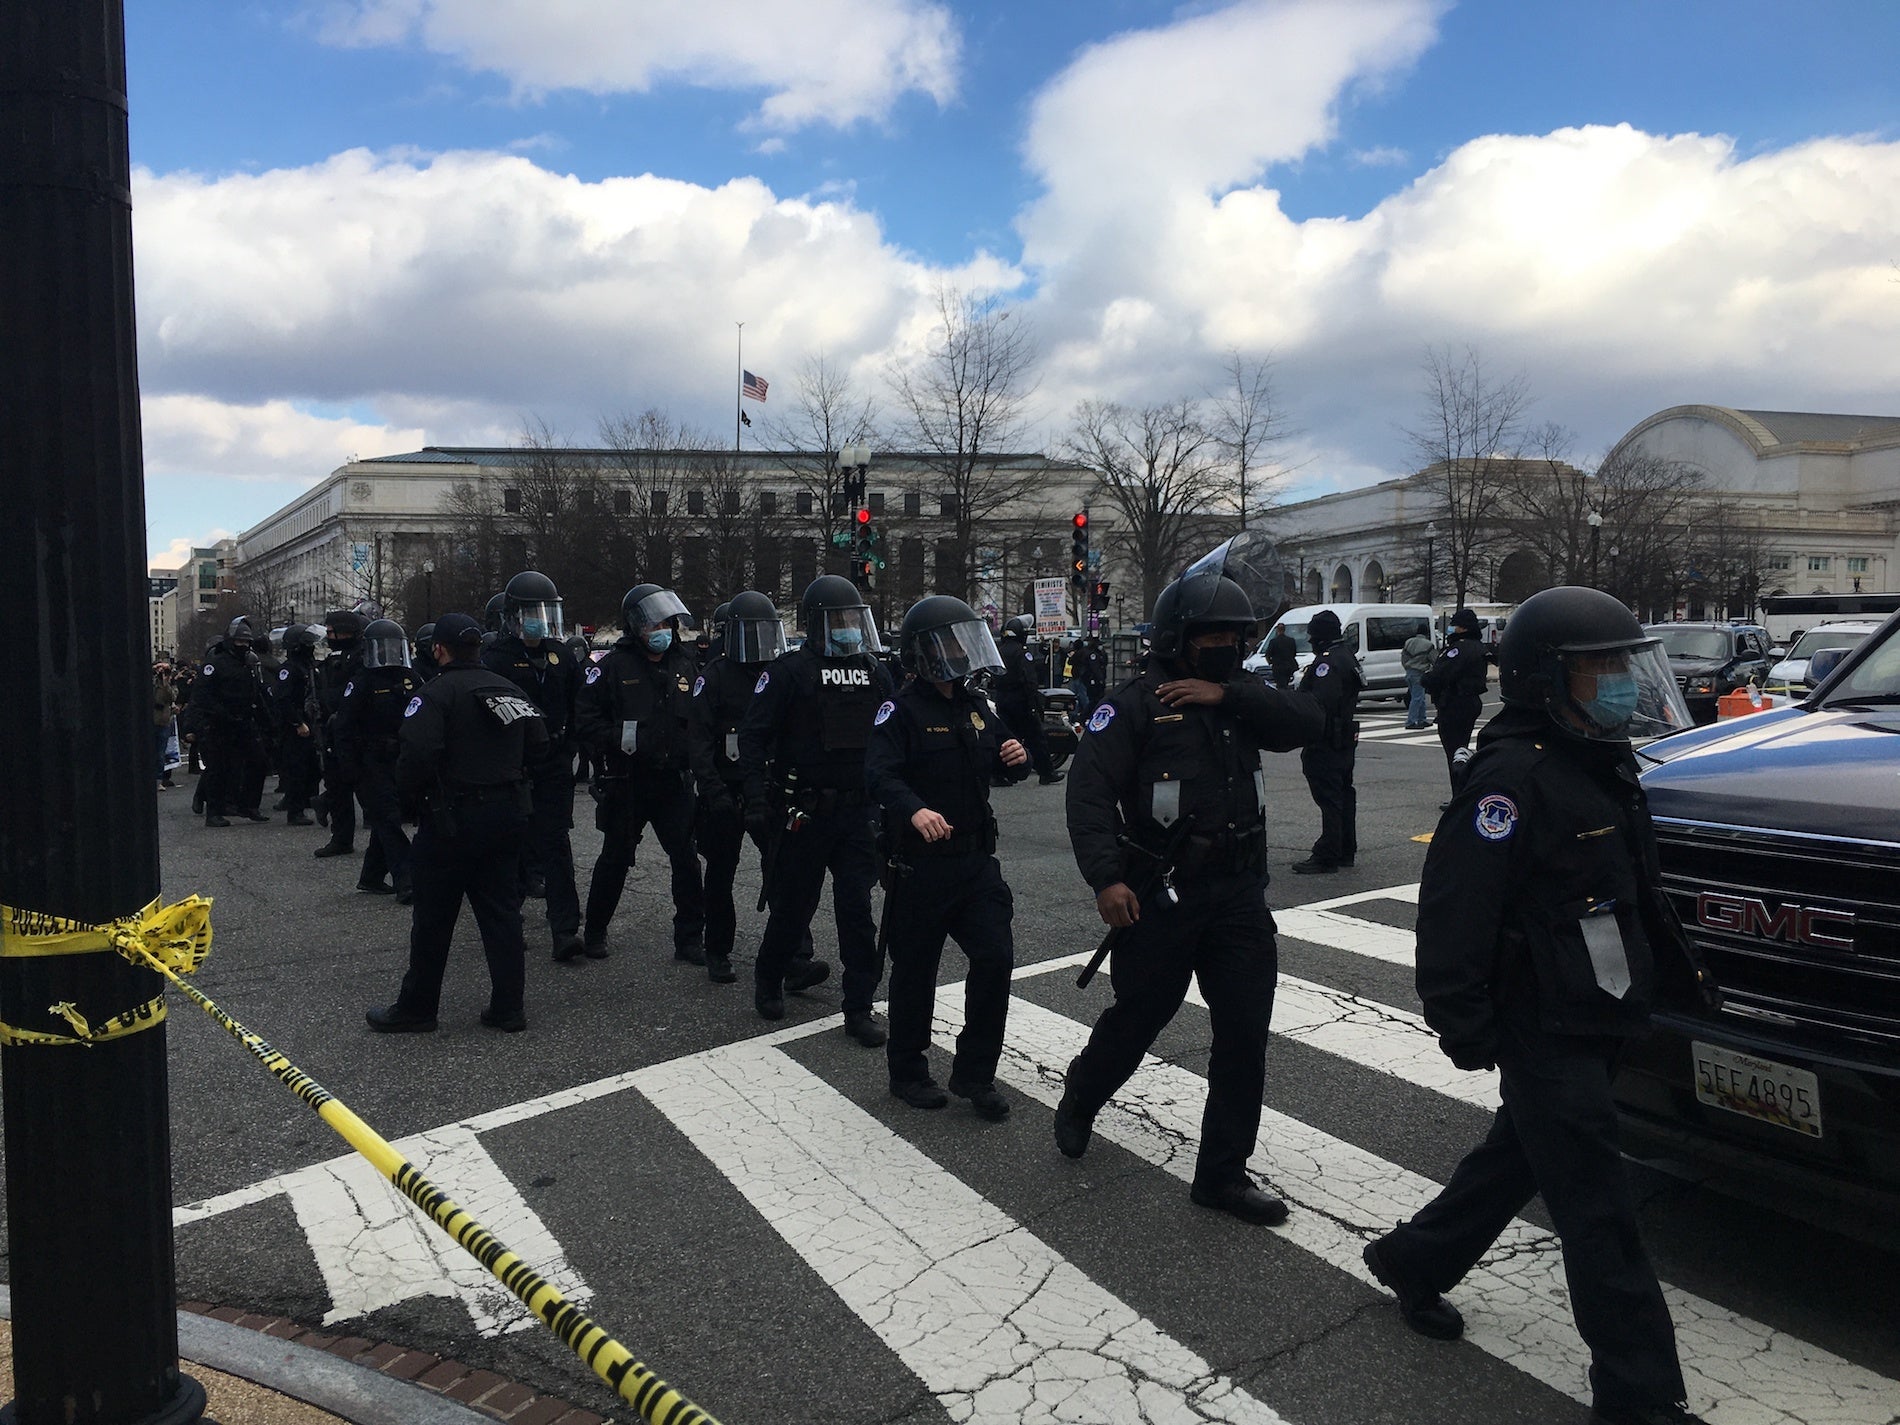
(973, 1296)
(1384, 723)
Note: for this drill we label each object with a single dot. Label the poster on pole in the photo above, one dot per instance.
(1052, 618)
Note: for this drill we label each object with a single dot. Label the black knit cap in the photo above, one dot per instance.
(458, 631)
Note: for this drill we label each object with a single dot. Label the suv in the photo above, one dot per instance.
(1710, 659)
(1780, 841)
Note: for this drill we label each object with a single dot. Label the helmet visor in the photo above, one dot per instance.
(848, 631)
(658, 608)
(389, 651)
(956, 651)
(1622, 694)
(754, 640)
(533, 622)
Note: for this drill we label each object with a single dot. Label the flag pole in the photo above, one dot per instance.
(738, 389)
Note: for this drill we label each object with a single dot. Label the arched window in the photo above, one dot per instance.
(1373, 582)
(1315, 587)
(1520, 575)
(1341, 592)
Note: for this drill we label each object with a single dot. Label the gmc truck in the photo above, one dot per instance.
(1780, 837)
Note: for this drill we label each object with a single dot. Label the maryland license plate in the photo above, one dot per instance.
(1758, 1088)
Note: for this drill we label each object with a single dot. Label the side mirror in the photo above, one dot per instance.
(1824, 662)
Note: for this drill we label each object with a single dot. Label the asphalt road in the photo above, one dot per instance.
(745, 1207)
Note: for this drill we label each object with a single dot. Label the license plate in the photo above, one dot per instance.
(1758, 1088)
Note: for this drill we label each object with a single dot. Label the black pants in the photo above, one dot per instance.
(298, 771)
(1455, 721)
(1027, 728)
(388, 852)
(1555, 1134)
(339, 798)
(1221, 934)
(234, 767)
(551, 852)
(965, 898)
(665, 802)
(720, 834)
(839, 842)
(1329, 778)
(482, 862)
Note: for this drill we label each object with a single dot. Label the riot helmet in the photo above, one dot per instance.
(838, 623)
(720, 614)
(1580, 656)
(648, 606)
(493, 614)
(531, 608)
(300, 638)
(425, 643)
(754, 631)
(342, 627)
(943, 639)
(385, 645)
(1019, 627)
(1198, 603)
(241, 634)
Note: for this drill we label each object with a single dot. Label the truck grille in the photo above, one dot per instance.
(1770, 912)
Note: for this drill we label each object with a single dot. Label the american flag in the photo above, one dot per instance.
(754, 386)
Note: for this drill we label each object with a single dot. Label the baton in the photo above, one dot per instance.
(1163, 861)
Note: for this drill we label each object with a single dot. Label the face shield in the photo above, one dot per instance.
(754, 640)
(1621, 694)
(658, 608)
(386, 651)
(946, 655)
(844, 632)
(533, 622)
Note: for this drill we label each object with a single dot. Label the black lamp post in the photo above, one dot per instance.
(1431, 551)
(1595, 521)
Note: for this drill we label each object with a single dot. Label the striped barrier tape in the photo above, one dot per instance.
(174, 941)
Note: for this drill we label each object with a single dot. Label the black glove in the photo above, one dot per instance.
(1473, 1057)
(758, 821)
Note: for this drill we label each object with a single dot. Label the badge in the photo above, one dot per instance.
(976, 720)
(1101, 717)
(699, 683)
(283, 675)
(759, 686)
(593, 674)
(553, 658)
(682, 684)
(1497, 818)
(210, 669)
(349, 687)
(415, 706)
(884, 714)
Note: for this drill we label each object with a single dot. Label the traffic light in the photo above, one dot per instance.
(1098, 596)
(864, 555)
(1079, 551)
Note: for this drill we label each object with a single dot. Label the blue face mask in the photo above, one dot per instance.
(1615, 703)
(845, 641)
(534, 629)
(660, 640)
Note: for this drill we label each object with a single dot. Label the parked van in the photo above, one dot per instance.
(1375, 632)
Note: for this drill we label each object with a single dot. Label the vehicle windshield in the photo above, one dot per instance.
(1691, 642)
(1294, 631)
(1877, 678)
(1814, 638)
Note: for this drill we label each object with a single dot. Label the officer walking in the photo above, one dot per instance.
(367, 733)
(297, 766)
(805, 734)
(229, 713)
(1456, 683)
(1019, 698)
(633, 711)
(343, 631)
(1332, 680)
(934, 748)
(467, 738)
(1544, 940)
(529, 654)
(1168, 794)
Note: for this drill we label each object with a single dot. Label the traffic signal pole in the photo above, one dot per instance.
(87, 1132)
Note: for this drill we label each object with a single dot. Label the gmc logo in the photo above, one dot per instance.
(1796, 924)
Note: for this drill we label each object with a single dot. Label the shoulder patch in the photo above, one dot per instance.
(883, 714)
(210, 669)
(1101, 717)
(1452, 652)
(593, 673)
(1322, 668)
(415, 706)
(699, 685)
(759, 686)
(283, 675)
(349, 687)
(1496, 819)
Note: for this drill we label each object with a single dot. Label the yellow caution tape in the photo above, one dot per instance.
(139, 1017)
(174, 941)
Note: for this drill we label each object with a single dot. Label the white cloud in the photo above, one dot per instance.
(1381, 156)
(271, 441)
(821, 61)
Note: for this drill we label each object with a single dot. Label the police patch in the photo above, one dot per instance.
(759, 686)
(210, 669)
(1101, 717)
(415, 706)
(349, 687)
(1451, 652)
(1320, 670)
(884, 714)
(593, 674)
(283, 674)
(698, 683)
(1497, 818)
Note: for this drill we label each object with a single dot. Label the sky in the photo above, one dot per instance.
(362, 226)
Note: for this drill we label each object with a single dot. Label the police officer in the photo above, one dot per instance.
(343, 631)
(1283, 658)
(805, 734)
(934, 748)
(1334, 681)
(1456, 682)
(529, 654)
(632, 712)
(367, 733)
(1168, 793)
(423, 664)
(492, 614)
(297, 763)
(467, 739)
(1544, 940)
(229, 713)
(1019, 699)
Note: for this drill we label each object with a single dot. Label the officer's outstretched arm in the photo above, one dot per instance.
(1280, 719)
(1104, 764)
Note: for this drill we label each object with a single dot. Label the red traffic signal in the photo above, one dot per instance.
(1082, 520)
(863, 518)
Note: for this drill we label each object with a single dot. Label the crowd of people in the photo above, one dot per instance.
(1543, 936)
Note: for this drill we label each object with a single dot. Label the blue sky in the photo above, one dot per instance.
(363, 225)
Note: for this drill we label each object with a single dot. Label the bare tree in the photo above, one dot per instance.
(1160, 469)
(1248, 424)
(825, 414)
(647, 451)
(1464, 441)
(1648, 506)
(1547, 503)
(961, 405)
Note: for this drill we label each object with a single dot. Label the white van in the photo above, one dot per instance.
(1375, 632)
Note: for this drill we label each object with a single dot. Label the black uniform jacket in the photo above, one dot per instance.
(465, 730)
(930, 751)
(633, 708)
(226, 695)
(551, 679)
(1015, 687)
(370, 719)
(721, 696)
(1205, 760)
(810, 721)
(1549, 832)
(1333, 680)
(290, 692)
(333, 676)
(1459, 675)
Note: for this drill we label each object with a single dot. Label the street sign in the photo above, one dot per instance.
(1052, 618)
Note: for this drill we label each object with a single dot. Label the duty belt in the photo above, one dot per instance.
(484, 792)
(958, 843)
(1226, 853)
